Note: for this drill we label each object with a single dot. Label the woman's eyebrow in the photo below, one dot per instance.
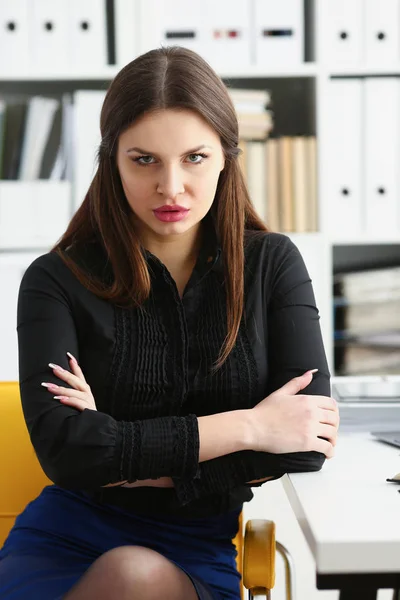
(149, 153)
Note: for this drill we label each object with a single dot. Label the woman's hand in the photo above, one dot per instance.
(80, 396)
(289, 422)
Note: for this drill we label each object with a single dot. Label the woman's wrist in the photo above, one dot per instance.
(247, 418)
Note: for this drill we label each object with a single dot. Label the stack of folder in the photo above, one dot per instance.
(367, 326)
(255, 119)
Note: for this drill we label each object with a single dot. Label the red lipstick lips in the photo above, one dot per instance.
(171, 213)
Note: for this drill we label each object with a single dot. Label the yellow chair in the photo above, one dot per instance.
(23, 479)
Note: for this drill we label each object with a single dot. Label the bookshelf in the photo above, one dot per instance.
(302, 89)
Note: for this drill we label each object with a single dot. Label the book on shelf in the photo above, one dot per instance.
(34, 137)
(312, 183)
(271, 197)
(11, 136)
(2, 126)
(254, 117)
(299, 184)
(39, 121)
(256, 176)
(285, 183)
(50, 154)
(281, 173)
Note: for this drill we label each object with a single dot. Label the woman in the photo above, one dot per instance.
(162, 342)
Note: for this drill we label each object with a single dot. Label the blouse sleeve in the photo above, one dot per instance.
(294, 346)
(85, 449)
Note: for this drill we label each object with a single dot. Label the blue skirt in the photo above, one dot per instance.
(61, 533)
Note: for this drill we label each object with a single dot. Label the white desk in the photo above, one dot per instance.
(350, 516)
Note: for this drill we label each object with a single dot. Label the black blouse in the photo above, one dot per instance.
(149, 371)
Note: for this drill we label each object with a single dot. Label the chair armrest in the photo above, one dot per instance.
(259, 554)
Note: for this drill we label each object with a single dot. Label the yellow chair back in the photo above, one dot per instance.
(22, 478)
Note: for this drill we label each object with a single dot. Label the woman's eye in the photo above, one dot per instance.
(198, 158)
(144, 160)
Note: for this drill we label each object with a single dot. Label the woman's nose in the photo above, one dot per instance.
(170, 183)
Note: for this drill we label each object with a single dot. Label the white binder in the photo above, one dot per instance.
(343, 157)
(341, 39)
(279, 32)
(171, 23)
(382, 155)
(87, 22)
(14, 38)
(382, 25)
(227, 33)
(49, 32)
(86, 125)
(126, 16)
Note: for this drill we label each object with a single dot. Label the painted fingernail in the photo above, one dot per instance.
(71, 356)
(59, 397)
(53, 366)
(310, 372)
(49, 385)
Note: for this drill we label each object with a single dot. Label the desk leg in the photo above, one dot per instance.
(359, 592)
(360, 586)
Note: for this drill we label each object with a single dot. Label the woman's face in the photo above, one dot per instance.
(167, 159)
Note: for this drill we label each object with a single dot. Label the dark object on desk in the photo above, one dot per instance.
(389, 437)
(395, 479)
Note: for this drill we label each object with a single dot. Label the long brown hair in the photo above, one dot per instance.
(173, 77)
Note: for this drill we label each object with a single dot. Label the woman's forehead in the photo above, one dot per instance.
(170, 130)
